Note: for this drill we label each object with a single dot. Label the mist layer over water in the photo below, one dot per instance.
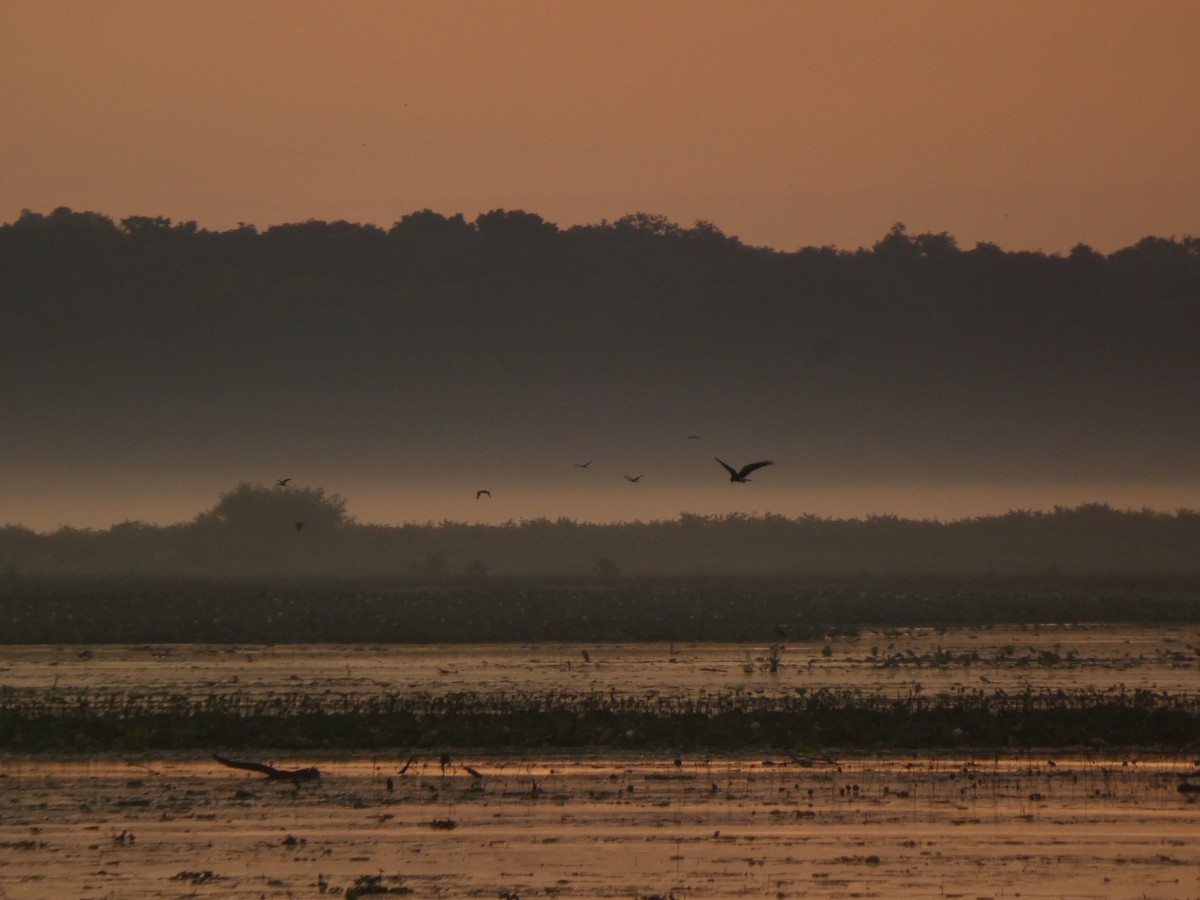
(100, 500)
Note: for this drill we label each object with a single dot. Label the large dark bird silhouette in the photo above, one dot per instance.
(282, 482)
(633, 478)
(739, 475)
(484, 492)
(312, 773)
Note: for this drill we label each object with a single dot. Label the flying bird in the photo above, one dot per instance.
(693, 437)
(632, 478)
(298, 525)
(282, 482)
(481, 492)
(583, 465)
(739, 475)
(311, 773)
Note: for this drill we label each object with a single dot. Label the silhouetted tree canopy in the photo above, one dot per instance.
(252, 508)
(912, 357)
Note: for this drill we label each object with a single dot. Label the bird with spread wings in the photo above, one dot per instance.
(739, 475)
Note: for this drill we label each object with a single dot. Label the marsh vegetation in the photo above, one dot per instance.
(917, 688)
(885, 760)
(142, 609)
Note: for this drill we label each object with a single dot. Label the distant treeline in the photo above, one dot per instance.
(256, 531)
(913, 354)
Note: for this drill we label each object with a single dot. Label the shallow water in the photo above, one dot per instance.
(896, 661)
(897, 825)
(633, 826)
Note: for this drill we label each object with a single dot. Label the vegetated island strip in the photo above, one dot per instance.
(141, 610)
(803, 721)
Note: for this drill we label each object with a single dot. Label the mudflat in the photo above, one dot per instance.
(1003, 825)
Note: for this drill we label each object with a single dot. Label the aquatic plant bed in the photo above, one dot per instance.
(38, 610)
(993, 686)
(802, 720)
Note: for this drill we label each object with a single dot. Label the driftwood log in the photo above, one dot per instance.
(311, 773)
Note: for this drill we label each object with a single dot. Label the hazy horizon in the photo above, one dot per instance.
(601, 496)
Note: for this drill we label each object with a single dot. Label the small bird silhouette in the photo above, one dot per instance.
(739, 475)
(583, 465)
(693, 437)
(482, 492)
(633, 479)
(298, 525)
(282, 482)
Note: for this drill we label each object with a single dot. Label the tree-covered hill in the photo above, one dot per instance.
(136, 341)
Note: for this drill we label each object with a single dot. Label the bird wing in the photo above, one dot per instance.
(251, 766)
(311, 773)
(728, 468)
(750, 467)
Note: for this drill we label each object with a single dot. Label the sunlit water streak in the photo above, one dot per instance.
(893, 661)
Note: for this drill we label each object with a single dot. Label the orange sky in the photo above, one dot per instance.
(1035, 125)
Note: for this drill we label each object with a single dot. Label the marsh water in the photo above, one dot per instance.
(1002, 658)
(1092, 822)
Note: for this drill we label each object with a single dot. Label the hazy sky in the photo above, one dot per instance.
(1034, 125)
